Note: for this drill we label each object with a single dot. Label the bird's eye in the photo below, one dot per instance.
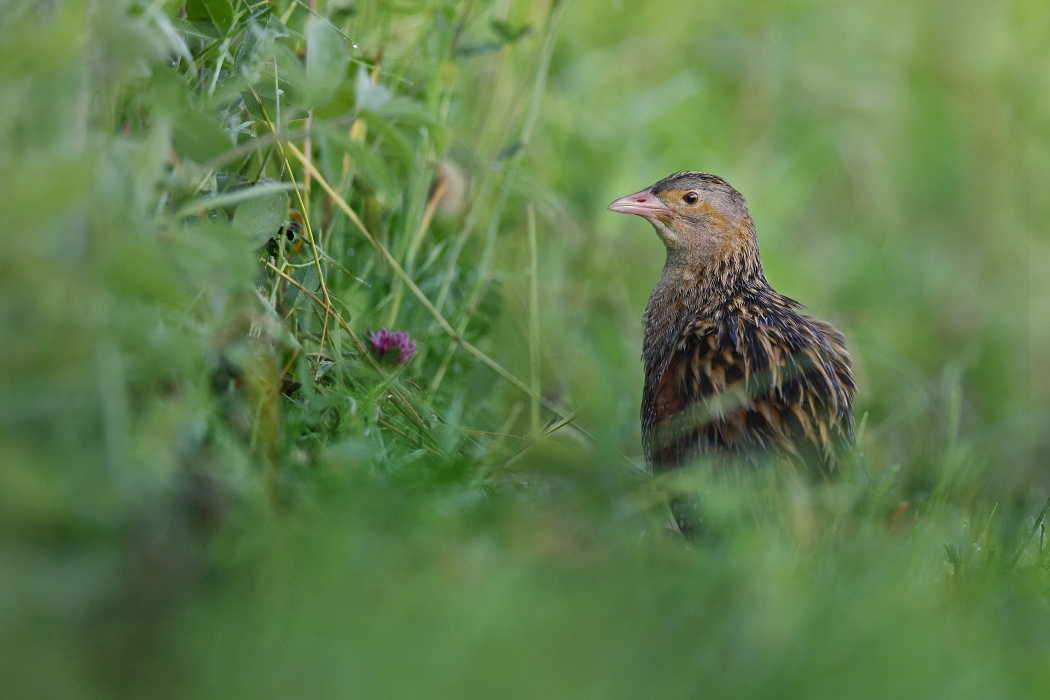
(691, 197)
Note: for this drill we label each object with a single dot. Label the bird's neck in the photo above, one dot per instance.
(692, 287)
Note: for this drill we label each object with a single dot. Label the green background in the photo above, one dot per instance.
(208, 488)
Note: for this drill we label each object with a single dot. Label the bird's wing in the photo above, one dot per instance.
(749, 384)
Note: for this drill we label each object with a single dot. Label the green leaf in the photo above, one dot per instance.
(509, 33)
(189, 29)
(327, 58)
(291, 77)
(260, 218)
(258, 45)
(199, 136)
(266, 188)
(370, 94)
(217, 12)
(213, 250)
(306, 276)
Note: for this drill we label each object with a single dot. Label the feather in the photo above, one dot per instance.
(732, 366)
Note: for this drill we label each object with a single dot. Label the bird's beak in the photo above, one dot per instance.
(643, 203)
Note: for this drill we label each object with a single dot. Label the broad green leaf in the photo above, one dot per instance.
(218, 12)
(290, 74)
(370, 94)
(199, 136)
(214, 249)
(189, 29)
(237, 196)
(260, 218)
(510, 33)
(306, 276)
(258, 45)
(327, 58)
(339, 105)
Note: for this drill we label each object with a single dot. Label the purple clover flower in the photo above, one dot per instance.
(384, 340)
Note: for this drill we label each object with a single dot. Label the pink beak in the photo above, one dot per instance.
(643, 203)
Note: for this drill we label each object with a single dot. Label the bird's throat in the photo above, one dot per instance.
(675, 298)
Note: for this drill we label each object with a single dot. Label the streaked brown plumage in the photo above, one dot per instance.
(732, 368)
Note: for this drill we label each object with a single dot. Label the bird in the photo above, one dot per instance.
(735, 372)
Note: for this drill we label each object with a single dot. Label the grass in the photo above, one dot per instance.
(211, 486)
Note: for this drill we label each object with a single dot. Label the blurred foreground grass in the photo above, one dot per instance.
(210, 488)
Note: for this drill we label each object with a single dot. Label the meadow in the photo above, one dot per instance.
(212, 484)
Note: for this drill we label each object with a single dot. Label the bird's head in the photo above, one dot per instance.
(698, 216)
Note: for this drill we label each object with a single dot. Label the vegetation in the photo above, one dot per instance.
(212, 485)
